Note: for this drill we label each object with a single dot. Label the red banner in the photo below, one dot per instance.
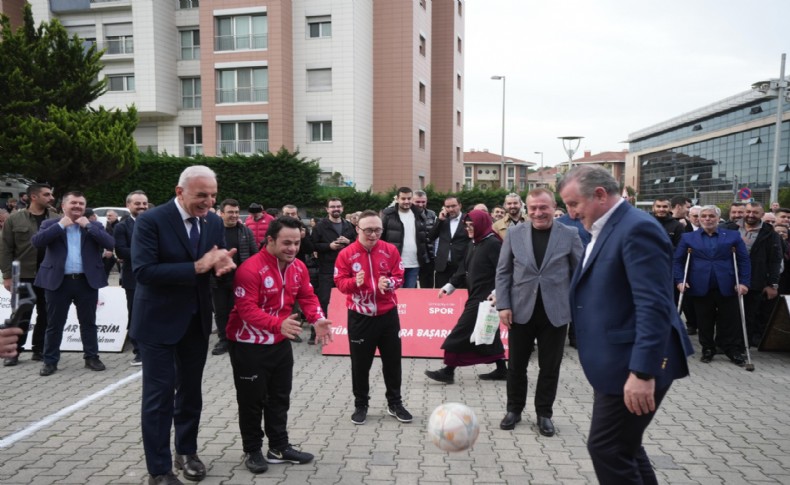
(425, 321)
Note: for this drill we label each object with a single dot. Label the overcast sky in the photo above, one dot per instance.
(603, 69)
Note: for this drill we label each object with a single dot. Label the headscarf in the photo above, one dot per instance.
(481, 221)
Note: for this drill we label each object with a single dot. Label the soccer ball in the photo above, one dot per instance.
(453, 427)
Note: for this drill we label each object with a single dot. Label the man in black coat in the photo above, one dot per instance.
(663, 214)
(451, 240)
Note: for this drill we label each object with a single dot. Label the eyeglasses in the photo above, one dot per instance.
(371, 231)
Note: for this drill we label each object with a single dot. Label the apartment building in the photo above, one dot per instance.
(373, 90)
(13, 10)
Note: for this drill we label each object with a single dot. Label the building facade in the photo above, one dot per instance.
(711, 153)
(372, 90)
(483, 169)
(13, 10)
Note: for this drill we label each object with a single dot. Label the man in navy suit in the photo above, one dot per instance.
(451, 240)
(175, 246)
(632, 349)
(72, 272)
(137, 203)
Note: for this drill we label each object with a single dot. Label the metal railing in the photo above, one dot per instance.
(242, 146)
(243, 95)
(184, 4)
(120, 45)
(239, 42)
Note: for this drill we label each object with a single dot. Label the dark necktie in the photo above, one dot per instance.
(194, 235)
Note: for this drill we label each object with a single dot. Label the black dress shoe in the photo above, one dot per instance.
(48, 370)
(192, 468)
(220, 348)
(11, 361)
(441, 375)
(510, 420)
(37, 356)
(707, 356)
(497, 375)
(545, 426)
(167, 479)
(738, 359)
(94, 364)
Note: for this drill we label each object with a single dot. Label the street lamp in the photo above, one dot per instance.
(502, 153)
(570, 144)
(776, 88)
(541, 167)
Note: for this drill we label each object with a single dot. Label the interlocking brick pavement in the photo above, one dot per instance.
(722, 425)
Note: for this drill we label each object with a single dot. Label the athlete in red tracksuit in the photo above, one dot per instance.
(259, 333)
(369, 271)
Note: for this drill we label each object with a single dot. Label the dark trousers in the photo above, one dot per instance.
(85, 298)
(551, 345)
(325, 284)
(758, 311)
(40, 329)
(129, 306)
(426, 275)
(223, 299)
(719, 322)
(687, 308)
(615, 441)
(443, 277)
(172, 396)
(263, 375)
(365, 335)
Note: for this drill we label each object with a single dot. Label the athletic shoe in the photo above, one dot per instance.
(360, 415)
(137, 361)
(254, 462)
(399, 413)
(289, 455)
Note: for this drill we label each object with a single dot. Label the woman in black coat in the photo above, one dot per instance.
(478, 271)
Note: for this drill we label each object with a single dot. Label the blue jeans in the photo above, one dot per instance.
(410, 277)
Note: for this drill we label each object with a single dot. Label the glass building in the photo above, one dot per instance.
(711, 153)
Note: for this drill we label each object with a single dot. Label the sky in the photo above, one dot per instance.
(603, 69)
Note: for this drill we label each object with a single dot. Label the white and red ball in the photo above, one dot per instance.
(453, 427)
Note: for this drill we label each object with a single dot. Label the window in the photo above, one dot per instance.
(458, 156)
(458, 117)
(190, 45)
(697, 128)
(188, 3)
(243, 85)
(755, 110)
(193, 141)
(320, 131)
(755, 140)
(118, 38)
(318, 27)
(422, 93)
(190, 93)
(422, 45)
(120, 82)
(243, 137)
(458, 81)
(421, 137)
(242, 32)
(460, 45)
(319, 79)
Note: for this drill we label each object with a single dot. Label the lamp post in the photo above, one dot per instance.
(779, 89)
(541, 166)
(502, 153)
(570, 144)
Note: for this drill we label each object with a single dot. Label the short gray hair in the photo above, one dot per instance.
(710, 208)
(420, 193)
(589, 177)
(514, 195)
(195, 172)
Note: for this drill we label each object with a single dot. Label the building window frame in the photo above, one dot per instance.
(191, 93)
(187, 4)
(193, 140)
(319, 27)
(189, 40)
(241, 32)
(242, 85)
(319, 79)
(319, 131)
(119, 83)
(242, 137)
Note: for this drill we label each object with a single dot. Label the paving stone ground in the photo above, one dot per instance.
(722, 425)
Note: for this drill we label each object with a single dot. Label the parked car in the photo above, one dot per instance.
(101, 213)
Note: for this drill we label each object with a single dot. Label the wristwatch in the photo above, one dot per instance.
(642, 376)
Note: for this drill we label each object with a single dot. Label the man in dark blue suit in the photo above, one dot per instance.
(175, 246)
(632, 349)
(137, 203)
(72, 272)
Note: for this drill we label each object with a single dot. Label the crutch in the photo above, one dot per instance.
(749, 366)
(685, 275)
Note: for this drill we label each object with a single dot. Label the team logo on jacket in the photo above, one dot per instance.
(268, 282)
(239, 292)
(356, 267)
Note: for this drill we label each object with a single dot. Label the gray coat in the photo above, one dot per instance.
(518, 278)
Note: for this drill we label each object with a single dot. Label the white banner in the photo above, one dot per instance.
(110, 321)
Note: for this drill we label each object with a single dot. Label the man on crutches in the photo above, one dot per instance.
(711, 281)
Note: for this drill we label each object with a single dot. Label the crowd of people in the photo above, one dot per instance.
(190, 263)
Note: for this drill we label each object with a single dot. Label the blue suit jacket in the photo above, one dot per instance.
(53, 237)
(623, 305)
(123, 249)
(706, 265)
(169, 292)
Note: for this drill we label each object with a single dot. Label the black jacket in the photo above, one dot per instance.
(323, 235)
(457, 243)
(673, 228)
(393, 231)
(766, 258)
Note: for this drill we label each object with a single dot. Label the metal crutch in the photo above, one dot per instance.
(685, 275)
(749, 366)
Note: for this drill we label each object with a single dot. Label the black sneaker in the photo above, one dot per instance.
(220, 348)
(254, 462)
(94, 364)
(707, 356)
(11, 361)
(289, 455)
(441, 375)
(360, 415)
(738, 359)
(137, 361)
(400, 413)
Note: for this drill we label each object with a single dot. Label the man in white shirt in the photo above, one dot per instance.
(404, 227)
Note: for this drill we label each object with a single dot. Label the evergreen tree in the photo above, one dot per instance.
(47, 130)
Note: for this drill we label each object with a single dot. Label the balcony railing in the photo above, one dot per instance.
(243, 95)
(193, 150)
(243, 146)
(239, 42)
(121, 45)
(183, 4)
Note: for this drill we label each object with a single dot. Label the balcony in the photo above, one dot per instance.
(193, 150)
(241, 42)
(243, 95)
(244, 147)
(186, 4)
(119, 45)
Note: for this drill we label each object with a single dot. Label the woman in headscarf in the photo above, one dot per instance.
(478, 271)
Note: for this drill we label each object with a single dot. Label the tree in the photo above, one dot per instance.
(47, 130)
